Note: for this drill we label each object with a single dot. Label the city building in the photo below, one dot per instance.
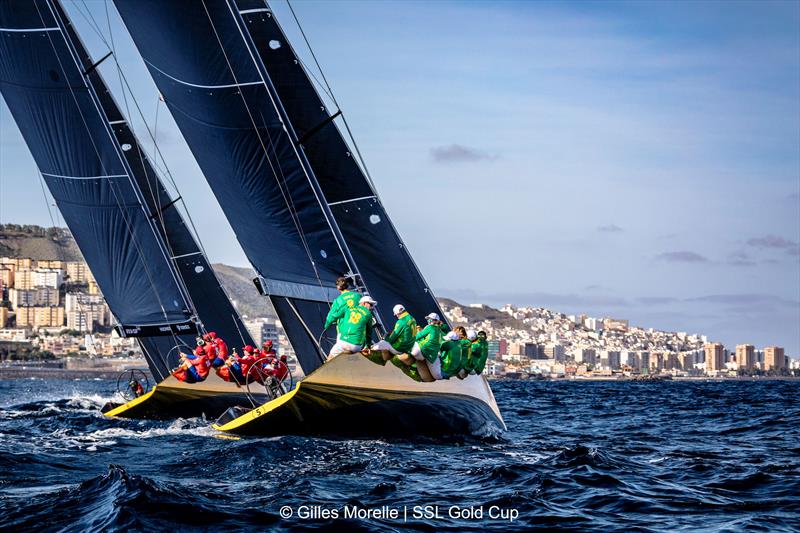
(746, 356)
(6, 277)
(78, 272)
(23, 279)
(48, 278)
(611, 359)
(585, 355)
(534, 351)
(714, 353)
(3, 317)
(555, 352)
(615, 324)
(774, 358)
(40, 317)
(493, 348)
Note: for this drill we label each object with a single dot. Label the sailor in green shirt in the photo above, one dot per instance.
(428, 340)
(401, 339)
(347, 299)
(479, 362)
(355, 328)
(449, 361)
(466, 351)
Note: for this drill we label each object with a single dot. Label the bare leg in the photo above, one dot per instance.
(424, 372)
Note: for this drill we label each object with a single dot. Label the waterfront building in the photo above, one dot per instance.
(534, 351)
(745, 356)
(555, 352)
(502, 347)
(774, 358)
(493, 348)
(587, 356)
(714, 353)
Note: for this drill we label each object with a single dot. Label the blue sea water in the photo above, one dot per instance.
(586, 456)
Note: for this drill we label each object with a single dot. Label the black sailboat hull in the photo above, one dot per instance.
(351, 396)
(173, 399)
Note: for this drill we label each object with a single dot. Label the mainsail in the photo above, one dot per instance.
(298, 202)
(153, 274)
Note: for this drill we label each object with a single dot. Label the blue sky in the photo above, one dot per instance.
(632, 159)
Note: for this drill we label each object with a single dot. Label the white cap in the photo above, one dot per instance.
(472, 334)
(367, 300)
(397, 309)
(452, 336)
(432, 316)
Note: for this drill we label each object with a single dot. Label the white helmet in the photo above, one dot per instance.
(472, 334)
(452, 336)
(432, 316)
(398, 309)
(367, 300)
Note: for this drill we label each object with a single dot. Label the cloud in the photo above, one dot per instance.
(610, 228)
(457, 153)
(681, 257)
(771, 241)
(740, 258)
(746, 299)
(656, 300)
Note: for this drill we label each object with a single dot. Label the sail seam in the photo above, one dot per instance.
(84, 177)
(353, 200)
(258, 10)
(228, 86)
(186, 255)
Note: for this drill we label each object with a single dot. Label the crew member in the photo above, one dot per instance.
(136, 388)
(466, 351)
(448, 363)
(428, 341)
(479, 361)
(347, 299)
(401, 339)
(193, 367)
(355, 328)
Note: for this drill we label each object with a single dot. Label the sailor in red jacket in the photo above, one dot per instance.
(193, 367)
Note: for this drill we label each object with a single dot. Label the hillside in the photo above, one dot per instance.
(38, 243)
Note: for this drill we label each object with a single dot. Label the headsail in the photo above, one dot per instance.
(152, 273)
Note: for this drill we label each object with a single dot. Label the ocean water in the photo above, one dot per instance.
(586, 456)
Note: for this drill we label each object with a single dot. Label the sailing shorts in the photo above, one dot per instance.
(436, 369)
(416, 351)
(344, 347)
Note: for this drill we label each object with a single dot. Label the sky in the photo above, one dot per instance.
(639, 160)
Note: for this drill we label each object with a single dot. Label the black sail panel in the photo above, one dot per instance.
(198, 60)
(68, 131)
(303, 325)
(385, 265)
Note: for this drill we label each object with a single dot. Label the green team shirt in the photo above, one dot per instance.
(466, 354)
(356, 327)
(478, 358)
(430, 340)
(451, 357)
(402, 336)
(480, 363)
(340, 306)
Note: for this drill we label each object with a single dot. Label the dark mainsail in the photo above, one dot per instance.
(299, 204)
(383, 260)
(153, 275)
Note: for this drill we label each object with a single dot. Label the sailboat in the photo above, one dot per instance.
(151, 270)
(304, 210)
